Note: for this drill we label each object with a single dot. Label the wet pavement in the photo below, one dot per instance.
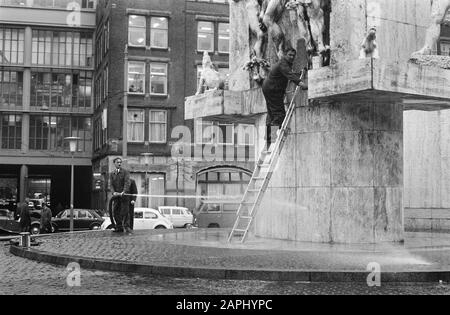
(25, 277)
(209, 249)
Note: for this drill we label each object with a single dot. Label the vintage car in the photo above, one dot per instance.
(144, 219)
(10, 226)
(83, 219)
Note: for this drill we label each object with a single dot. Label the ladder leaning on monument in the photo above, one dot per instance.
(259, 182)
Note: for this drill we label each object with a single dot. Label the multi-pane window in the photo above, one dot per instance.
(204, 132)
(246, 134)
(59, 90)
(84, 4)
(226, 134)
(158, 126)
(11, 45)
(224, 38)
(11, 88)
(136, 125)
(62, 48)
(158, 78)
(136, 77)
(137, 29)
(205, 36)
(159, 32)
(82, 89)
(11, 131)
(49, 132)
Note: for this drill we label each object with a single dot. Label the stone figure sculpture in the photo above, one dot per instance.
(210, 79)
(439, 9)
(311, 23)
(264, 17)
(369, 46)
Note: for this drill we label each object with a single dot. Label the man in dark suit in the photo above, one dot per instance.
(133, 197)
(274, 89)
(119, 181)
(25, 218)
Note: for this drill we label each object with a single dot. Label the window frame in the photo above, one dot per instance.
(150, 122)
(152, 33)
(211, 33)
(129, 122)
(144, 74)
(135, 28)
(166, 76)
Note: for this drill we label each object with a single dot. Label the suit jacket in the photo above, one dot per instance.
(133, 190)
(279, 77)
(25, 218)
(119, 182)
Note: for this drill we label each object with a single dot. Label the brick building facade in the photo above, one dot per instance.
(163, 42)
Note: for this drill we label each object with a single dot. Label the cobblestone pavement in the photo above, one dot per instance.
(20, 276)
(152, 247)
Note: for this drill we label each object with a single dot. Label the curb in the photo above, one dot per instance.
(229, 274)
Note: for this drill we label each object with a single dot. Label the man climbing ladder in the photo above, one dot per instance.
(274, 90)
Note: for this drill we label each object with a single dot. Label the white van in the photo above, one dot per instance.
(179, 216)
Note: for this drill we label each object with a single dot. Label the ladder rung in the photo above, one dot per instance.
(263, 165)
(259, 178)
(247, 202)
(239, 230)
(253, 190)
(246, 217)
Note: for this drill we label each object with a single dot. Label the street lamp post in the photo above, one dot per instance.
(73, 148)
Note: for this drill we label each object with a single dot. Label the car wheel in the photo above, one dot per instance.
(160, 227)
(95, 227)
(35, 230)
(188, 226)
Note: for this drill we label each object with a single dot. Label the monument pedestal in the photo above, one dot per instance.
(339, 177)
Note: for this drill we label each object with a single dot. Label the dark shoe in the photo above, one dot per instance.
(118, 231)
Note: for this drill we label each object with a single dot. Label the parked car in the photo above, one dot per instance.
(5, 214)
(11, 226)
(144, 219)
(216, 214)
(179, 216)
(83, 219)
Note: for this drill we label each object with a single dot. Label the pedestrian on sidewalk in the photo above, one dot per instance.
(119, 182)
(25, 218)
(46, 220)
(274, 90)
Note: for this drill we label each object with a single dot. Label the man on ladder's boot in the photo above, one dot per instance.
(274, 89)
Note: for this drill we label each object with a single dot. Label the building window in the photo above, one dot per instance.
(158, 126)
(246, 134)
(136, 77)
(81, 128)
(204, 132)
(205, 36)
(84, 4)
(226, 135)
(62, 48)
(40, 89)
(136, 124)
(158, 78)
(82, 90)
(224, 38)
(159, 32)
(49, 132)
(11, 132)
(224, 182)
(11, 88)
(11, 45)
(444, 47)
(137, 29)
